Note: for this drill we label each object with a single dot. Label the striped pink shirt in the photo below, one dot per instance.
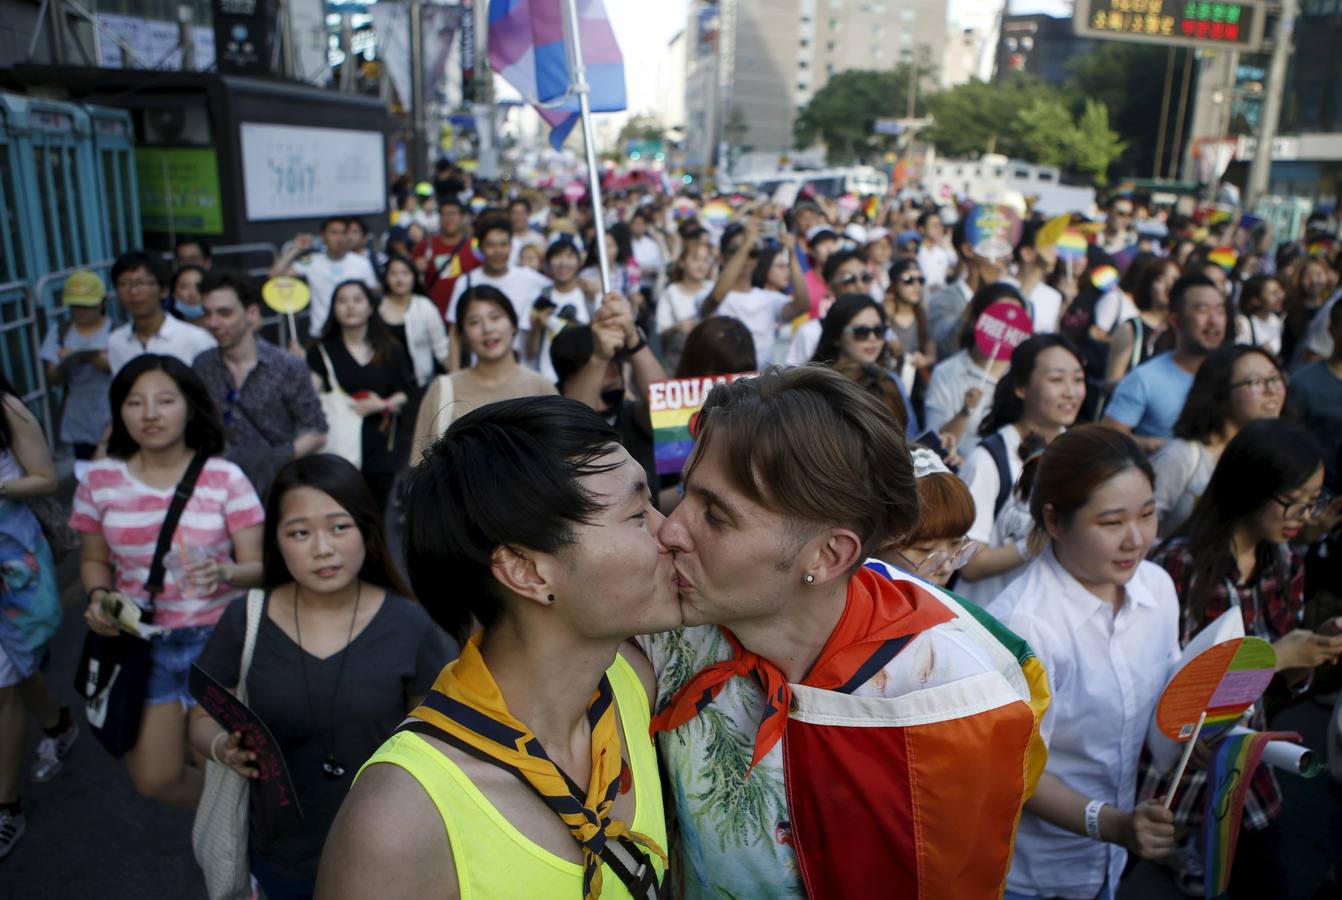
(129, 513)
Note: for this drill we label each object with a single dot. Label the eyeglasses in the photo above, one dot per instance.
(938, 559)
(127, 284)
(1274, 383)
(1303, 509)
(1123, 213)
(863, 332)
(846, 280)
(912, 279)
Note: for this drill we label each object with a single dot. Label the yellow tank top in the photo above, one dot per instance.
(493, 858)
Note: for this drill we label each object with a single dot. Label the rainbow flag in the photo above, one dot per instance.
(871, 208)
(673, 406)
(1234, 760)
(1225, 257)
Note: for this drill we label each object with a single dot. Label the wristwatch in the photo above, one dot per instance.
(642, 342)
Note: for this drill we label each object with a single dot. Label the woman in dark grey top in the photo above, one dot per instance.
(341, 656)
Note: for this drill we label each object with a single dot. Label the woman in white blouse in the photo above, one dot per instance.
(412, 318)
(1235, 385)
(1104, 622)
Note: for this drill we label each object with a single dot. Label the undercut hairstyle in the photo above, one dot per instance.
(505, 475)
(134, 260)
(1207, 408)
(237, 282)
(342, 482)
(204, 430)
(811, 445)
(1074, 466)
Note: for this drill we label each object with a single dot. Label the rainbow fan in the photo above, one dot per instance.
(1072, 246)
(1105, 278)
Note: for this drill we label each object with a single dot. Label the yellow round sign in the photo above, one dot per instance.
(286, 294)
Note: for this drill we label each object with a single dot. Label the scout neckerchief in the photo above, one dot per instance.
(466, 709)
(880, 618)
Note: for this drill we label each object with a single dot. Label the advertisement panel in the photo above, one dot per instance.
(297, 172)
(179, 189)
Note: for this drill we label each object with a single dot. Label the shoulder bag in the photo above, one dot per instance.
(219, 833)
(113, 672)
(344, 426)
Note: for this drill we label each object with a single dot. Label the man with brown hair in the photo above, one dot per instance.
(883, 732)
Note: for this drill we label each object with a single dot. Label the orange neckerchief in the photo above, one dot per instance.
(878, 610)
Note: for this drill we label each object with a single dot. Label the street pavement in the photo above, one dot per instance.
(91, 836)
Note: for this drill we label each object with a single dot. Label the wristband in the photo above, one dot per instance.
(214, 748)
(1093, 819)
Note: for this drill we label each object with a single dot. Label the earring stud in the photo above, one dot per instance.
(808, 578)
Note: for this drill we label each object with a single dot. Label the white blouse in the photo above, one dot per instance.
(1106, 673)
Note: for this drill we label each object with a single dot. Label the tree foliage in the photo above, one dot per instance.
(1025, 118)
(843, 113)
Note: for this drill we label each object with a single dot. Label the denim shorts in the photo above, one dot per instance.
(170, 657)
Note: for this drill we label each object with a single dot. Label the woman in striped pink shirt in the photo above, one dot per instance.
(162, 416)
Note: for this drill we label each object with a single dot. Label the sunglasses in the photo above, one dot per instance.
(863, 332)
(912, 279)
(865, 278)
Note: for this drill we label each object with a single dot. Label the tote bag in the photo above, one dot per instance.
(344, 426)
(219, 833)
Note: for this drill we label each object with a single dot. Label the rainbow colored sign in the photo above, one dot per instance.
(673, 406)
(1072, 246)
(1223, 681)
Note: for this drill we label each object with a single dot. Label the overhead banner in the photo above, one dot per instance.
(296, 172)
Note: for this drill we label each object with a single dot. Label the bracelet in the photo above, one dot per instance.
(1093, 819)
(214, 747)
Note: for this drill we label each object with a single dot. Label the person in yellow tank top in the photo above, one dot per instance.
(528, 771)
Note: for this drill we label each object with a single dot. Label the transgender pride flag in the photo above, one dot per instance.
(526, 47)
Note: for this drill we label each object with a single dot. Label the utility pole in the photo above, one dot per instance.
(485, 121)
(1261, 166)
(418, 115)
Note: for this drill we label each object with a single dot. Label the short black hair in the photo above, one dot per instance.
(520, 201)
(332, 220)
(504, 475)
(452, 200)
(570, 350)
(204, 430)
(835, 260)
(152, 263)
(237, 282)
(204, 245)
(1179, 291)
(355, 220)
(563, 244)
(492, 223)
(925, 215)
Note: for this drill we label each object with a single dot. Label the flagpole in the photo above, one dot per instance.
(582, 89)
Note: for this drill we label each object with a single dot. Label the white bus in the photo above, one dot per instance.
(859, 180)
(992, 176)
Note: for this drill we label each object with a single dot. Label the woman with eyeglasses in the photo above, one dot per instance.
(1233, 387)
(939, 547)
(853, 338)
(1037, 400)
(1236, 553)
(1105, 625)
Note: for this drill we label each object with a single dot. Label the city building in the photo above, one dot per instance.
(751, 64)
(1038, 45)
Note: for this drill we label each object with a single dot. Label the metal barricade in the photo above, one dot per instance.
(19, 345)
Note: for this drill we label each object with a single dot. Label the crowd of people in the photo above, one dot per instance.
(889, 528)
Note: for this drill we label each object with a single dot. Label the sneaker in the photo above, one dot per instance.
(12, 826)
(51, 753)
